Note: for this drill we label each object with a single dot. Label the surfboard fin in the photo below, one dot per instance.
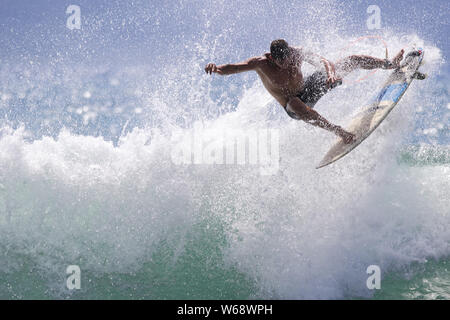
(419, 75)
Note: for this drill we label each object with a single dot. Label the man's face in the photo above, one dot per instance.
(284, 63)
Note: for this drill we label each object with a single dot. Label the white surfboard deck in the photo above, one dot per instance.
(366, 121)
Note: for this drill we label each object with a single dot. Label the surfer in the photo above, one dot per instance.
(280, 72)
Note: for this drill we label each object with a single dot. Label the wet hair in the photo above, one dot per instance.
(279, 49)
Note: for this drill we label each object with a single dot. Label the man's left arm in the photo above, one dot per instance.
(319, 62)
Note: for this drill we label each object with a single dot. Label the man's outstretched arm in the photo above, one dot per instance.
(225, 69)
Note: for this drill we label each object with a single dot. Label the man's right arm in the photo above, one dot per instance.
(225, 69)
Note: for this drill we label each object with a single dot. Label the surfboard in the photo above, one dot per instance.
(371, 116)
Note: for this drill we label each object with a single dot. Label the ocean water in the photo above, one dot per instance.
(88, 178)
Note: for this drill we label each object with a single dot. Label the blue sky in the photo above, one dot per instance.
(37, 27)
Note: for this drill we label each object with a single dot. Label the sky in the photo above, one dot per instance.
(151, 28)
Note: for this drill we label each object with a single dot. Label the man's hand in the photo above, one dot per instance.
(211, 67)
(332, 79)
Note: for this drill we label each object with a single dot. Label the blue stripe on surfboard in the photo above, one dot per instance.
(391, 92)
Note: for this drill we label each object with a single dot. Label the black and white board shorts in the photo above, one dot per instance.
(315, 87)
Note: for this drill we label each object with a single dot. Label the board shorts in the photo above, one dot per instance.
(315, 87)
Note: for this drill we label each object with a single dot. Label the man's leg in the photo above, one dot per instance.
(350, 63)
(311, 116)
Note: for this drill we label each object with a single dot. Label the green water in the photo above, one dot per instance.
(427, 281)
(199, 271)
(416, 155)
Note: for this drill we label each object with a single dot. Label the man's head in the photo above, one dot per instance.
(279, 50)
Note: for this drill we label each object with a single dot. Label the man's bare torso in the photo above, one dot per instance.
(280, 83)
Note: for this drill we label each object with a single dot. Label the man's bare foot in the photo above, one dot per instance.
(395, 62)
(398, 58)
(346, 136)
